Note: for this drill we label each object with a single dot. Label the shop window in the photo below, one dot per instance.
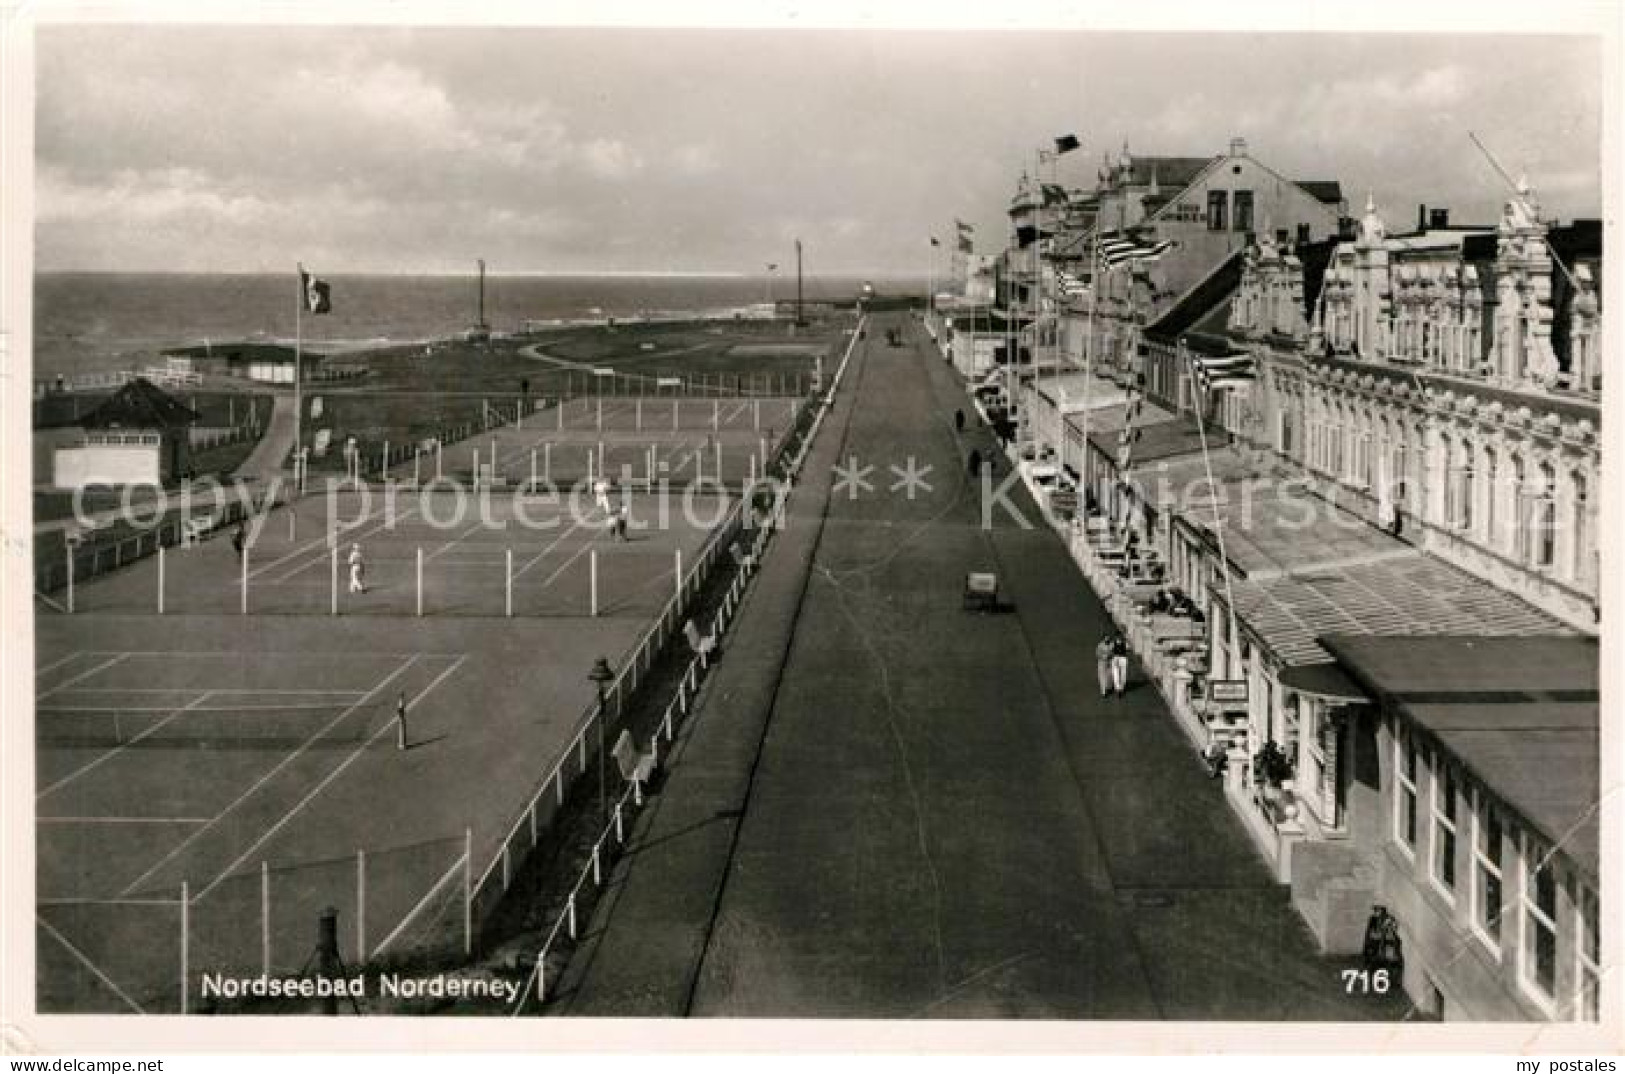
(1217, 203)
(1405, 793)
(1538, 961)
(1487, 850)
(1443, 801)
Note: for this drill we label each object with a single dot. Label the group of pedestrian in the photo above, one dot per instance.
(1111, 664)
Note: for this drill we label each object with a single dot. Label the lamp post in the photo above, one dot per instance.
(601, 676)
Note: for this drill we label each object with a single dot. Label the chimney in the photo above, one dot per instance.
(1238, 147)
(1421, 218)
(1438, 218)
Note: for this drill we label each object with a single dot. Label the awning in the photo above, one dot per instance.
(1329, 682)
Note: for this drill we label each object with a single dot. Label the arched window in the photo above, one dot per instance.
(1521, 497)
(1460, 507)
(1580, 568)
(1546, 517)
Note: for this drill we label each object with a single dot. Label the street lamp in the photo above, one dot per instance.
(601, 676)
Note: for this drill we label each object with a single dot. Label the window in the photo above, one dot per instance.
(1284, 434)
(1538, 963)
(1582, 555)
(1487, 842)
(1405, 792)
(1216, 205)
(1545, 518)
(1587, 1001)
(1244, 210)
(1444, 830)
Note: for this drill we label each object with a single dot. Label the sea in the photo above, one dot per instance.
(89, 322)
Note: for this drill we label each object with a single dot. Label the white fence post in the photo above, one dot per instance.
(360, 906)
(265, 918)
(468, 891)
(186, 940)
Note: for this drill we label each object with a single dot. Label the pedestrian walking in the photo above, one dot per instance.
(601, 496)
(622, 518)
(959, 421)
(1119, 664)
(400, 721)
(239, 541)
(1103, 665)
(357, 567)
(975, 462)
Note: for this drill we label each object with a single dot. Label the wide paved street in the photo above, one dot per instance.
(929, 812)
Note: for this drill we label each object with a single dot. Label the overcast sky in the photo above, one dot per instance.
(392, 150)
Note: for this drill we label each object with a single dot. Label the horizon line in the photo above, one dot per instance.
(515, 273)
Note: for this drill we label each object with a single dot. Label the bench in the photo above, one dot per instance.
(195, 529)
(636, 768)
(702, 647)
(981, 591)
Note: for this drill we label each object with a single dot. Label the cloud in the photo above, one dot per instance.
(611, 159)
(397, 148)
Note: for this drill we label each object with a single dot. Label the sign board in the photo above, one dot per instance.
(324, 437)
(1230, 693)
(600, 371)
(668, 382)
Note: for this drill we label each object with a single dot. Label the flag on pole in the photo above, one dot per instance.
(1066, 143)
(318, 294)
(1117, 249)
(1228, 371)
(962, 226)
(934, 241)
(772, 268)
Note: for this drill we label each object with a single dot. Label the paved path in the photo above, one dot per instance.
(271, 453)
(929, 812)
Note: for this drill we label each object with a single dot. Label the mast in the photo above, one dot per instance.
(480, 319)
(800, 321)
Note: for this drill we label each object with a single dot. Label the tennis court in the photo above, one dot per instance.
(638, 441)
(255, 762)
(216, 742)
(439, 550)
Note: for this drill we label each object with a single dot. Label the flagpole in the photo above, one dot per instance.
(298, 388)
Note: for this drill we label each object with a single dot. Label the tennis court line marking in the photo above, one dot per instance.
(344, 532)
(121, 747)
(444, 545)
(258, 783)
(70, 658)
(172, 708)
(89, 965)
(233, 690)
(121, 820)
(383, 728)
(63, 685)
(543, 553)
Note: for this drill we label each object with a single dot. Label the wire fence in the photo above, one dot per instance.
(553, 953)
(143, 526)
(188, 952)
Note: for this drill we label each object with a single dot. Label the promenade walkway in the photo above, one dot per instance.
(271, 453)
(892, 808)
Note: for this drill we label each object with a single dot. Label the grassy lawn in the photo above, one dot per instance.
(410, 395)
